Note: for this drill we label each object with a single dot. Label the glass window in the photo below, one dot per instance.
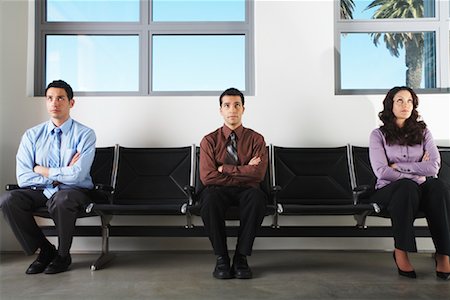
(387, 9)
(94, 63)
(202, 62)
(145, 47)
(384, 43)
(93, 11)
(382, 60)
(198, 10)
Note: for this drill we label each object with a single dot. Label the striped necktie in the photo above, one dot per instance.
(54, 158)
(232, 149)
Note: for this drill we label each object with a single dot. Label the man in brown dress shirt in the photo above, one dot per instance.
(231, 179)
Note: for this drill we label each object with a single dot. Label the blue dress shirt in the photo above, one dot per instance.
(35, 146)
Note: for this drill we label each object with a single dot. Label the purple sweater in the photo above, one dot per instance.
(407, 158)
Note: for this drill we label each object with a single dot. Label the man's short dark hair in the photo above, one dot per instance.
(231, 92)
(62, 85)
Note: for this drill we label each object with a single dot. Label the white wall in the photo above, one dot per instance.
(294, 105)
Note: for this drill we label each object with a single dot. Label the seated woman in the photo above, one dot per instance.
(404, 157)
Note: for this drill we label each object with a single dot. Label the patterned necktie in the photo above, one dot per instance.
(54, 158)
(232, 149)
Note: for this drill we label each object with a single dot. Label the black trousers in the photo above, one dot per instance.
(63, 207)
(215, 201)
(404, 200)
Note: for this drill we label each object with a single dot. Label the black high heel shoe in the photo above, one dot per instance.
(441, 275)
(409, 274)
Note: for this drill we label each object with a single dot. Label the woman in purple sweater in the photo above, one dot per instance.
(404, 158)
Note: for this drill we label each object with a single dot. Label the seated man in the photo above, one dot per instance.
(53, 165)
(233, 161)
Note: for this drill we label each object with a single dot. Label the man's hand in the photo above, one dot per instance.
(254, 161)
(75, 158)
(220, 169)
(41, 170)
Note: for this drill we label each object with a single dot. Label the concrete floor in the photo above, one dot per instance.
(187, 275)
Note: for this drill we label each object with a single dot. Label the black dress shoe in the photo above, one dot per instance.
(409, 274)
(240, 267)
(222, 269)
(42, 261)
(58, 265)
(441, 275)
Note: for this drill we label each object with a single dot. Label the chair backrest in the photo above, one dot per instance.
(152, 175)
(312, 176)
(362, 167)
(444, 171)
(102, 167)
(264, 185)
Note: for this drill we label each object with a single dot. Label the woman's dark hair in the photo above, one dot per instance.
(62, 85)
(412, 132)
(231, 92)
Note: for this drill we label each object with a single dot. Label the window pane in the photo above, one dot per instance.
(93, 11)
(383, 60)
(94, 63)
(198, 10)
(387, 9)
(198, 62)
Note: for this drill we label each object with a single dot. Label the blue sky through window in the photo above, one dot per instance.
(366, 66)
(179, 62)
(199, 10)
(204, 62)
(93, 10)
(94, 63)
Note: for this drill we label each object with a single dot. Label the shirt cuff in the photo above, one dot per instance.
(404, 168)
(227, 169)
(53, 173)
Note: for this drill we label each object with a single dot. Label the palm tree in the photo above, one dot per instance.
(412, 42)
(347, 7)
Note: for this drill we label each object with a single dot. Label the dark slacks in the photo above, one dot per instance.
(215, 201)
(63, 207)
(404, 199)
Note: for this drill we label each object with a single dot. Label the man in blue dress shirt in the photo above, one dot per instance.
(53, 165)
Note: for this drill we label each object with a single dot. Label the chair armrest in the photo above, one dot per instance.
(10, 187)
(103, 187)
(190, 192)
(362, 192)
(274, 194)
(276, 189)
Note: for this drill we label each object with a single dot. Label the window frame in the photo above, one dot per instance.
(145, 29)
(440, 24)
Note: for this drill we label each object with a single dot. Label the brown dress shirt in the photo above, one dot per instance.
(213, 154)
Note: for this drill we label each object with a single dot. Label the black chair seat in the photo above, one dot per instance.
(43, 213)
(233, 211)
(346, 209)
(138, 209)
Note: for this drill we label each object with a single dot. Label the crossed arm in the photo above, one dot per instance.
(253, 162)
(416, 170)
(44, 171)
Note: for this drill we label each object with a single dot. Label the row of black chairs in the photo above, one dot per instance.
(165, 181)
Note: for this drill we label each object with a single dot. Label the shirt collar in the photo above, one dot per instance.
(227, 131)
(65, 127)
